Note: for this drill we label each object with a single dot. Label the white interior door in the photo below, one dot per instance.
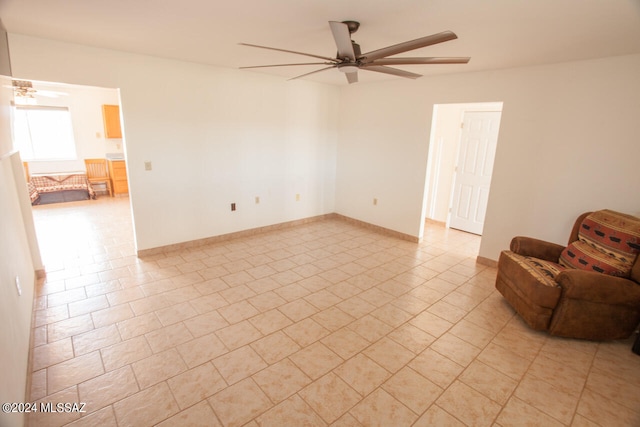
(473, 172)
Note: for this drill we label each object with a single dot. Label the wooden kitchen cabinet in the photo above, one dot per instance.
(118, 177)
(111, 117)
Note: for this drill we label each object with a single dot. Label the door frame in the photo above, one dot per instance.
(444, 145)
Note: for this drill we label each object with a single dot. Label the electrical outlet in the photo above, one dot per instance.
(18, 287)
(148, 166)
(233, 206)
(375, 201)
(257, 200)
(298, 197)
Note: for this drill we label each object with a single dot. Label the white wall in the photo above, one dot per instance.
(214, 136)
(382, 154)
(85, 108)
(16, 261)
(573, 147)
(568, 143)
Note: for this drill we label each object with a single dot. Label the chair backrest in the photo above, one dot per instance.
(605, 241)
(96, 168)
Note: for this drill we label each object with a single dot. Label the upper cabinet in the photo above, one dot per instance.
(111, 116)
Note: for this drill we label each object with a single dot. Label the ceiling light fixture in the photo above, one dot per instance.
(349, 68)
(23, 88)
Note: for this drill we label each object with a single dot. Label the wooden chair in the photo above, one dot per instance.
(27, 175)
(98, 173)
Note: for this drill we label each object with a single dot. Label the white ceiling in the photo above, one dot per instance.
(494, 33)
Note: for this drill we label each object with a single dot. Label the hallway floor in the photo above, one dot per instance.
(326, 323)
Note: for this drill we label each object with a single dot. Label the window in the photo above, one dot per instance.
(43, 133)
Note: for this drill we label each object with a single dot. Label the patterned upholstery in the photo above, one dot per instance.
(609, 243)
(543, 271)
(561, 289)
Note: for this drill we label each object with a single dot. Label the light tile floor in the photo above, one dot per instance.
(321, 324)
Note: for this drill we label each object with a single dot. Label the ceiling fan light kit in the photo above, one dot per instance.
(349, 58)
(348, 68)
(23, 88)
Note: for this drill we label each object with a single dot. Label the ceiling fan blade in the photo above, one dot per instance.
(392, 71)
(342, 37)
(352, 77)
(333, 60)
(285, 65)
(313, 72)
(417, 61)
(410, 45)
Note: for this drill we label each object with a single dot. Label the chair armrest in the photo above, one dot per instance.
(598, 288)
(529, 246)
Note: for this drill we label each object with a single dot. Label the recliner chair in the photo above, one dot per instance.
(589, 289)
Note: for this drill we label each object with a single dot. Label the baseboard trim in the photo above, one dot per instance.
(38, 280)
(486, 261)
(230, 236)
(267, 228)
(435, 222)
(379, 229)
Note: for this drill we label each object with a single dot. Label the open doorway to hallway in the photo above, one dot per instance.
(461, 154)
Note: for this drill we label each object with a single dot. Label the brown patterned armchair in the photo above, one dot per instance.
(589, 289)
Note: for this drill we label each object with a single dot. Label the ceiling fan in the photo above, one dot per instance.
(25, 89)
(349, 58)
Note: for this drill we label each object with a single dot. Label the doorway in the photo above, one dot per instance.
(84, 105)
(451, 158)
